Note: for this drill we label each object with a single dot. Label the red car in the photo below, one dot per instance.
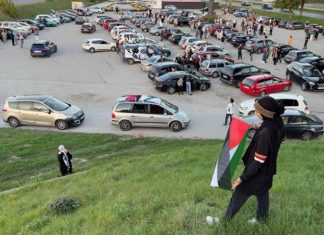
(263, 84)
(106, 22)
(208, 55)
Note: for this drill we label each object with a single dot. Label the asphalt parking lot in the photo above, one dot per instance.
(95, 81)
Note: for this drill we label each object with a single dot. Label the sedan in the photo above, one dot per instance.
(96, 44)
(262, 84)
(146, 64)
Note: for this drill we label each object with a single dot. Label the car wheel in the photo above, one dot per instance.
(203, 87)
(175, 126)
(92, 50)
(251, 133)
(125, 125)
(157, 34)
(61, 125)
(304, 86)
(263, 93)
(131, 61)
(215, 74)
(307, 135)
(287, 88)
(113, 49)
(238, 84)
(171, 90)
(13, 122)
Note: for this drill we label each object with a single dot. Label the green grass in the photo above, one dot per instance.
(147, 186)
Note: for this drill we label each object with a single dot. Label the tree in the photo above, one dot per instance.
(210, 7)
(287, 4)
(302, 3)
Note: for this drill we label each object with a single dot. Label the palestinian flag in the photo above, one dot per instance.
(231, 154)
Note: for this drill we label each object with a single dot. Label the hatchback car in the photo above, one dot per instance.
(297, 55)
(159, 69)
(214, 48)
(88, 28)
(147, 111)
(235, 73)
(43, 48)
(146, 64)
(291, 101)
(318, 62)
(97, 44)
(308, 76)
(184, 42)
(168, 82)
(262, 84)
(213, 67)
(81, 20)
(41, 110)
(294, 25)
(297, 124)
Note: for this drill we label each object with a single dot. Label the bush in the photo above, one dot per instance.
(65, 205)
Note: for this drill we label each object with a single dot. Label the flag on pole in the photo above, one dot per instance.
(231, 154)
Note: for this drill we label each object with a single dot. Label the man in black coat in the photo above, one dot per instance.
(64, 158)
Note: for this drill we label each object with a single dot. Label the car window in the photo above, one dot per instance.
(263, 82)
(245, 70)
(40, 108)
(288, 102)
(297, 120)
(285, 119)
(13, 105)
(254, 69)
(104, 42)
(220, 65)
(95, 42)
(212, 65)
(156, 109)
(25, 105)
(124, 107)
(276, 80)
(140, 108)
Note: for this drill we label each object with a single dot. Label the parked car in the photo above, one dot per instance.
(240, 39)
(235, 73)
(106, 22)
(129, 37)
(97, 44)
(133, 53)
(297, 125)
(194, 46)
(213, 67)
(258, 44)
(241, 13)
(41, 110)
(51, 19)
(285, 49)
(15, 26)
(182, 20)
(88, 28)
(246, 3)
(282, 23)
(43, 48)
(148, 111)
(267, 6)
(146, 64)
(96, 9)
(146, 26)
(159, 69)
(33, 23)
(170, 7)
(81, 20)
(153, 49)
(157, 30)
(175, 38)
(168, 82)
(291, 101)
(285, 10)
(294, 25)
(263, 84)
(214, 48)
(308, 76)
(184, 42)
(208, 55)
(297, 55)
(318, 62)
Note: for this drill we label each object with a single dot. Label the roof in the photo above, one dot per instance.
(238, 65)
(260, 76)
(285, 96)
(166, 63)
(95, 39)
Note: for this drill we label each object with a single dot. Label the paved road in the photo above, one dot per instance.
(308, 14)
(94, 81)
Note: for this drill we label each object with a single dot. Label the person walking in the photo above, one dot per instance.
(229, 111)
(306, 42)
(239, 52)
(180, 86)
(21, 38)
(260, 161)
(251, 52)
(274, 55)
(64, 158)
(223, 42)
(36, 33)
(188, 86)
(290, 40)
(271, 29)
(279, 54)
(4, 36)
(265, 54)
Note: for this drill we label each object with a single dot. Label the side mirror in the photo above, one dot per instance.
(49, 111)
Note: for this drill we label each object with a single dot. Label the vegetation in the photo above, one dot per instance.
(147, 186)
(8, 7)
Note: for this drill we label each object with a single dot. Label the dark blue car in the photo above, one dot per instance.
(43, 48)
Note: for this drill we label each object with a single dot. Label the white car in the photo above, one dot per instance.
(292, 101)
(16, 26)
(185, 41)
(97, 44)
(214, 48)
(194, 46)
(97, 10)
(50, 17)
(130, 37)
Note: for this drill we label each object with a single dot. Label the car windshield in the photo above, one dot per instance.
(312, 72)
(56, 104)
(228, 70)
(248, 82)
(170, 106)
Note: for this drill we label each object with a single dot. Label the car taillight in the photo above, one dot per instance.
(113, 115)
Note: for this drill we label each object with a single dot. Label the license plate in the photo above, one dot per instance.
(224, 76)
(37, 51)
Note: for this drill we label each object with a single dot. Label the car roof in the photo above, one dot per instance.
(41, 98)
(286, 96)
(40, 42)
(95, 39)
(166, 63)
(139, 99)
(239, 65)
(260, 76)
(216, 60)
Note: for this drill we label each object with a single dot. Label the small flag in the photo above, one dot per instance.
(231, 154)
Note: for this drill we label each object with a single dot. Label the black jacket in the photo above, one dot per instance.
(63, 167)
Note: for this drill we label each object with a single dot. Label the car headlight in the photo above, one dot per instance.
(311, 83)
(187, 120)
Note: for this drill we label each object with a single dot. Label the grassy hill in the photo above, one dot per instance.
(146, 186)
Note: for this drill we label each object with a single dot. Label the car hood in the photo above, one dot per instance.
(182, 115)
(71, 111)
(248, 103)
(314, 79)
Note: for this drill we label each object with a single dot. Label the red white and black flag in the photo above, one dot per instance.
(231, 154)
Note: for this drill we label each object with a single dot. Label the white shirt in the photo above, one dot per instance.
(230, 108)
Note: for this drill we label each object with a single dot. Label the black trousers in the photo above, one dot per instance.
(226, 118)
(238, 200)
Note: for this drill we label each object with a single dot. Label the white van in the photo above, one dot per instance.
(292, 101)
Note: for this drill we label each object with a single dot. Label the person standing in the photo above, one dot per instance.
(271, 29)
(21, 38)
(279, 53)
(229, 111)
(64, 158)
(239, 52)
(175, 22)
(180, 86)
(260, 161)
(274, 55)
(4, 36)
(223, 41)
(306, 42)
(290, 40)
(265, 54)
(36, 33)
(251, 52)
(188, 86)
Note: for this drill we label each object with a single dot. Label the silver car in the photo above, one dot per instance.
(147, 111)
(42, 110)
(146, 64)
(212, 67)
(157, 30)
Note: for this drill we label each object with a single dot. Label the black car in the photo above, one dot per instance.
(267, 6)
(162, 68)
(231, 10)
(168, 82)
(175, 38)
(297, 55)
(234, 74)
(240, 39)
(146, 26)
(183, 20)
(297, 124)
(33, 23)
(156, 50)
(88, 28)
(318, 62)
(294, 25)
(284, 48)
(307, 75)
(81, 20)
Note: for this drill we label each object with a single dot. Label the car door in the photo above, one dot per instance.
(26, 112)
(243, 74)
(140, 115)
(262, 86)
(42, 115)
(158, 116)
(104, 45)
(277, 84)
(296, 126)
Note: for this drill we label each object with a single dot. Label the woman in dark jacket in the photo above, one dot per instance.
(260, 160)
(64, 158)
